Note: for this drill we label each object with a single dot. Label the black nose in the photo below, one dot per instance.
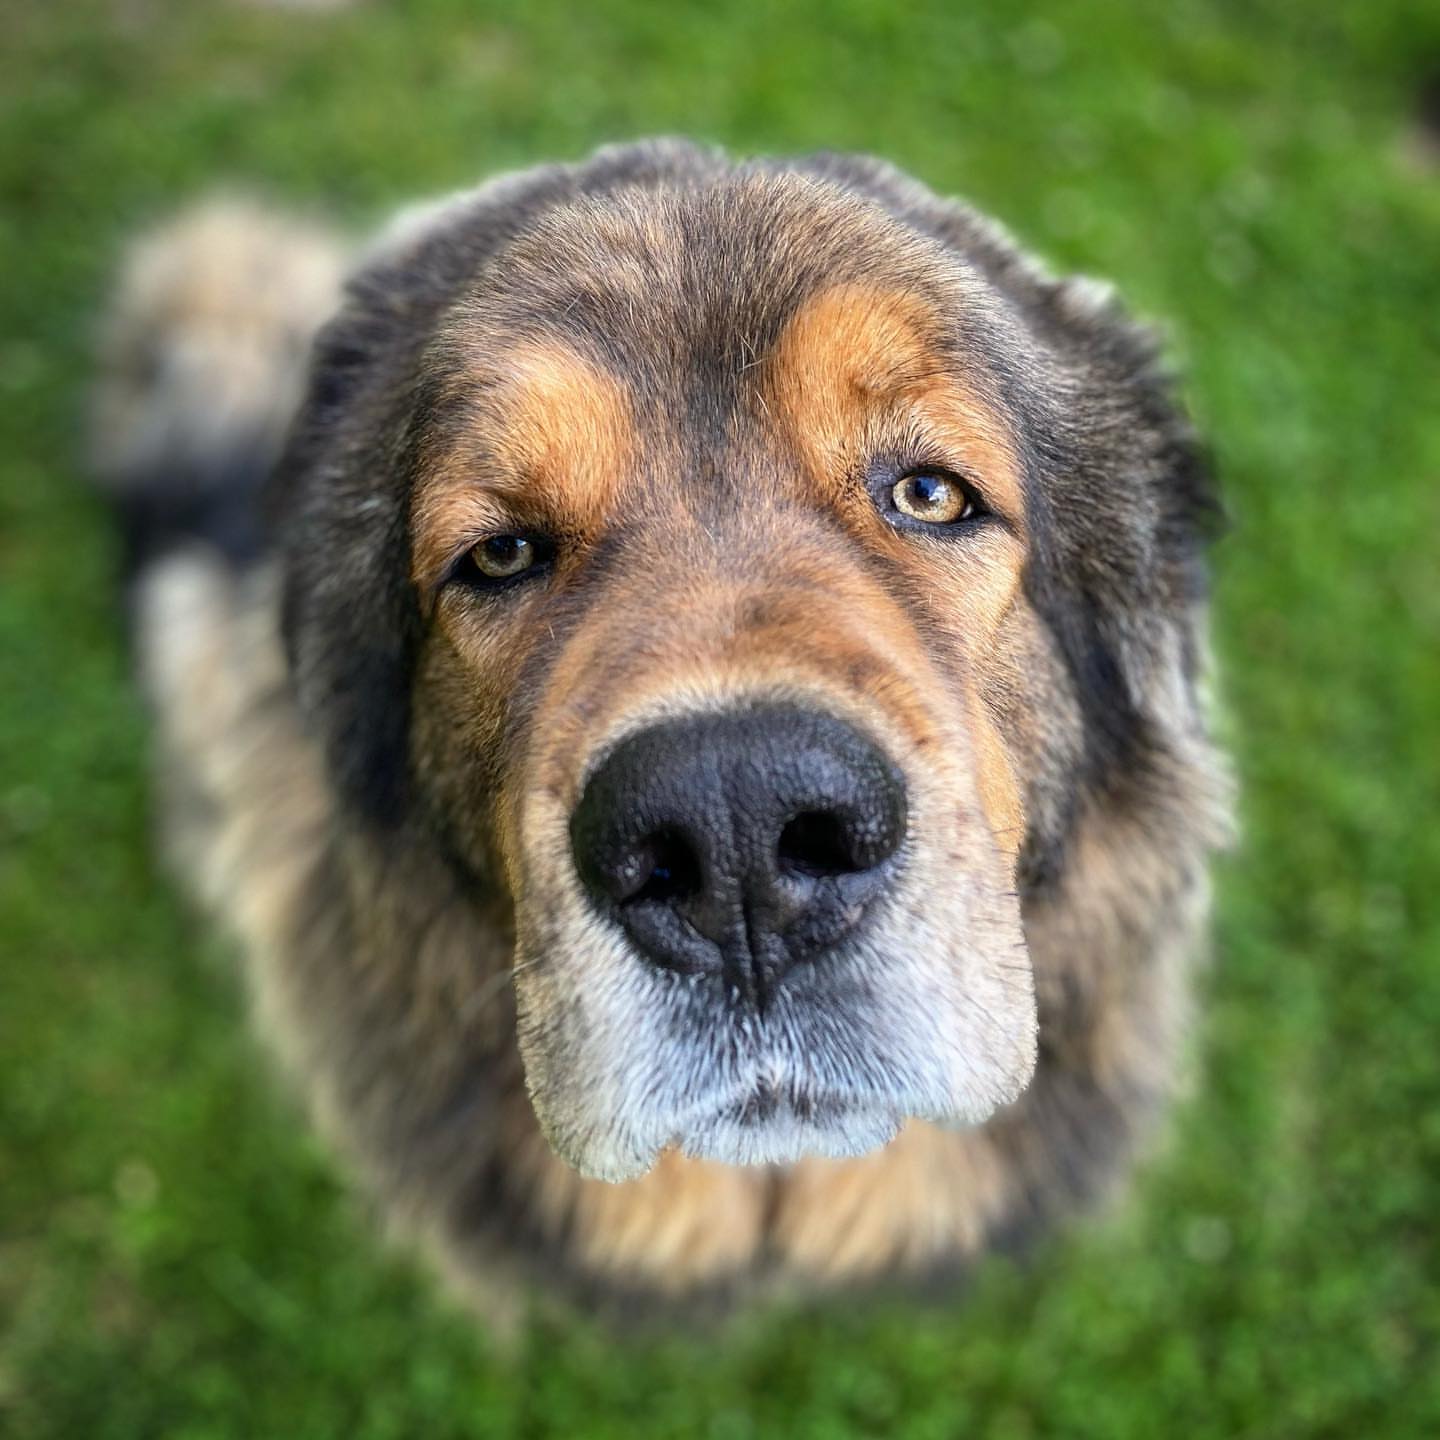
(740, 842)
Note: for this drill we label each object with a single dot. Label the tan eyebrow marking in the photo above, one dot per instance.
(549, 431)
(856, 355)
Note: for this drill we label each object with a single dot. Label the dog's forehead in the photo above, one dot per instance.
(682, 291)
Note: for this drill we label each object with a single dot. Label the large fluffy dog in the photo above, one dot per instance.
(705, 755)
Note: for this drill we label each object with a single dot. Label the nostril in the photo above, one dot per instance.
(663, 866)
(818, 842)
(742, 841)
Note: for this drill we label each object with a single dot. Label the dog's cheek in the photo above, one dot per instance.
(457, 747)
(970, 613)
(1029, 695)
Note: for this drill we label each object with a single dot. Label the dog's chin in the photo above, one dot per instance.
(766, 1131)
(758, 1129)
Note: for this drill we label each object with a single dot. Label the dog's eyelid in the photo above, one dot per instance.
(451, 568)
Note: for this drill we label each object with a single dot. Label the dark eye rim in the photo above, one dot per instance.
(463, 571)
(886, 477)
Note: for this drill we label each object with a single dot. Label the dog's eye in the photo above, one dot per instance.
(502, 556)
(505, 557)
(932, 496)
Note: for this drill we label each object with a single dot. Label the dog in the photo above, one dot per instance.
(687, 679)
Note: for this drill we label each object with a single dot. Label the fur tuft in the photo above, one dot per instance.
(203, 362)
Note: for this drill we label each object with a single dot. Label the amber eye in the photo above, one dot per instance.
(502, 557)
(932, 496)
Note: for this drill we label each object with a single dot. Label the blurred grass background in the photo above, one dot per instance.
(176, 1258)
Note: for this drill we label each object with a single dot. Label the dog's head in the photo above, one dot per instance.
(678, 554)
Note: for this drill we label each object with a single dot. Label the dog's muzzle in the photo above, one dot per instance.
(740, 843)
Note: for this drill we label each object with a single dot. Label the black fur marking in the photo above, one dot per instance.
(210, 501)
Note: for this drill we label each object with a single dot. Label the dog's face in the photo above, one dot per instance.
(719, 555)
(715, 522)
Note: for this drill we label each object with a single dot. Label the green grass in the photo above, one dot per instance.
(175, 1256)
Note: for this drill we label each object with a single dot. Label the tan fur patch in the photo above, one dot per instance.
(209, 336)
(855, 363)
(686, 1224)
(999, 789)
(929, 1193)
(547, 446)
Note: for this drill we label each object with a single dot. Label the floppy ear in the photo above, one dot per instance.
(1122, 508)
(350, 620)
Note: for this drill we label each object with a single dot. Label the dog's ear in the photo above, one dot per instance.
(350, 621)
(1137, 483)
(1122, 505)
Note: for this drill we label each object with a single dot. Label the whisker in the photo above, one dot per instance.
(492, 988)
